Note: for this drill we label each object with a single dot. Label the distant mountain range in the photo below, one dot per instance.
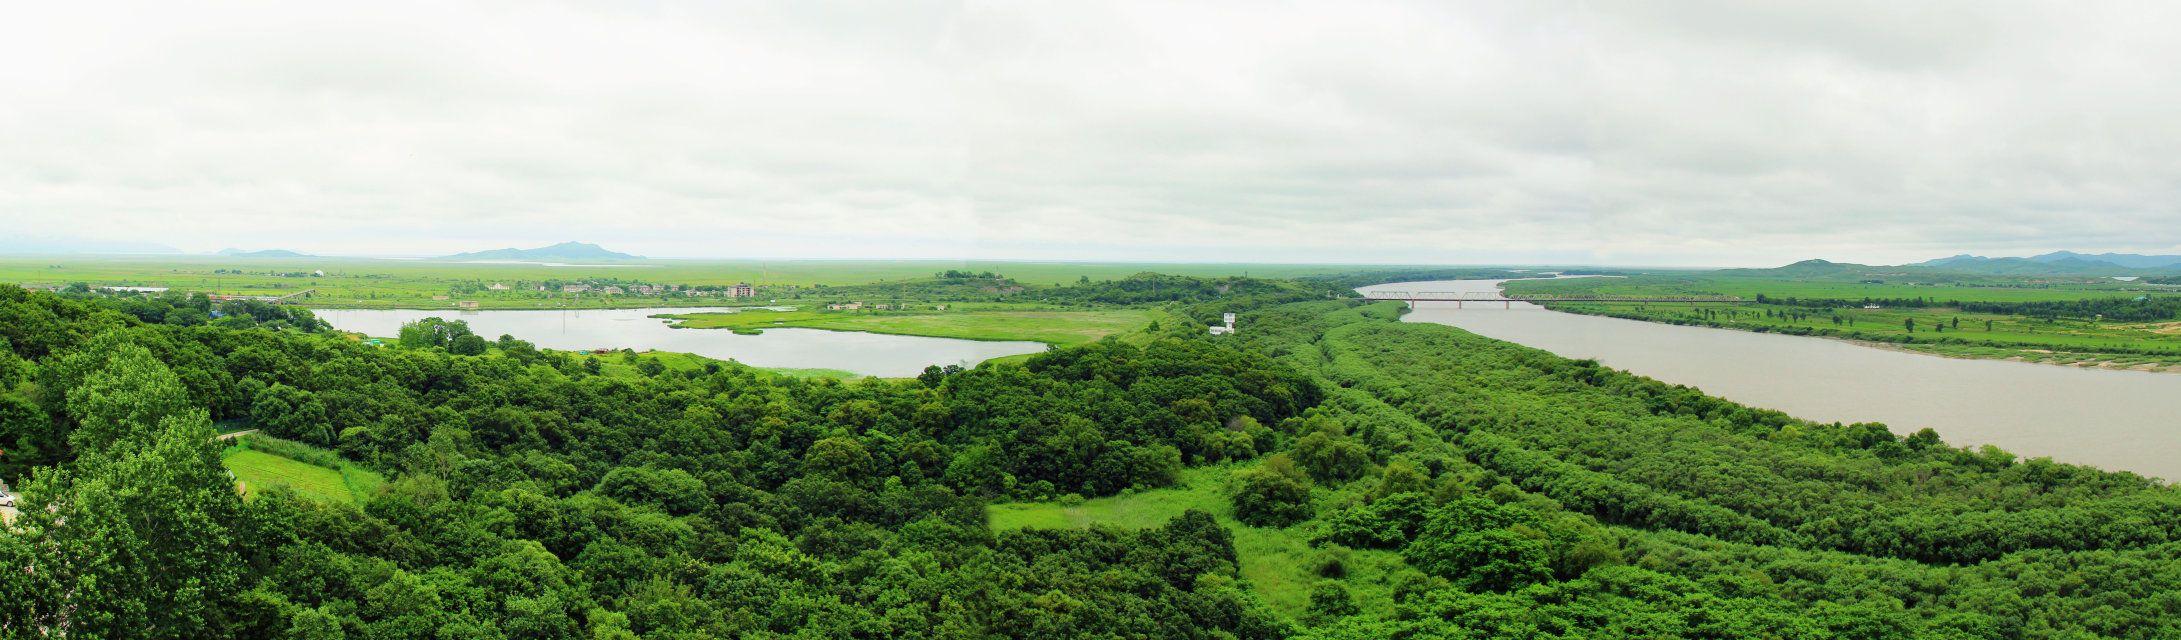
(2058, 263)
(1957, 269)
(268, 253)
(562, 251)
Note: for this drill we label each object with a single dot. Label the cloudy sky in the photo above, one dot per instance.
(1681, 132)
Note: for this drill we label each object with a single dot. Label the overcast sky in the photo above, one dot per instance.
(1683, 132)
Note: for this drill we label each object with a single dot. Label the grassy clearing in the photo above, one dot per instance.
(259, 470)
(1278, 562)
(1051, 327)
(259, 463)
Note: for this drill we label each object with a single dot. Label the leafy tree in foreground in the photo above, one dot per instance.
(1276, 494)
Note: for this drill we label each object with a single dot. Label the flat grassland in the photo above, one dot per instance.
(259, 470)
(1051, 327)
(390, 283)
(1279, 562)
(1988, 289)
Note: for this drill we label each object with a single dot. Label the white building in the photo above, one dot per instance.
(1219, 330)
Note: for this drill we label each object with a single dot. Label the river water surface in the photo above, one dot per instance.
(863, 353)
(2115, 420)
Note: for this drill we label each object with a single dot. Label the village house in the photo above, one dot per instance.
(497, 287)
(743, 290)
(439, 297)
(575, 288)
(611, 291)
(468, 304)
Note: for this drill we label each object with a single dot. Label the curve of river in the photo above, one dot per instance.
(2114, 420)
(864, 353)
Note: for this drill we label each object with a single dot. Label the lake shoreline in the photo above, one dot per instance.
(886, 355)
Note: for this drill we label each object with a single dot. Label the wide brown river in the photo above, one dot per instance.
(2117, 420)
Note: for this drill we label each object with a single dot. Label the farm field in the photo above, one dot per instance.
(1279, 562)
(1051, 327)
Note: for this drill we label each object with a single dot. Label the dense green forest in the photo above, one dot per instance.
(529, 495)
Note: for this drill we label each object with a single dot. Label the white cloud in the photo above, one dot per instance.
(1689, 132)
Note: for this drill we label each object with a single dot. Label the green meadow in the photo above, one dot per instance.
(260, 470)
(1051, 327)
(1280, 563)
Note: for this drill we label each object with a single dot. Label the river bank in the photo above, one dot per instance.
(2109, 417)
(1949, 346)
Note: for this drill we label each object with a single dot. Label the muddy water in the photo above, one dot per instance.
(2117, 420)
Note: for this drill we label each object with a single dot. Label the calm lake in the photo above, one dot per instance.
(864, 353)
(2115, 420)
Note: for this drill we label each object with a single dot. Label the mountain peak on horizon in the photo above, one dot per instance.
(2061, 262)
(570, 250)
(265, 253)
